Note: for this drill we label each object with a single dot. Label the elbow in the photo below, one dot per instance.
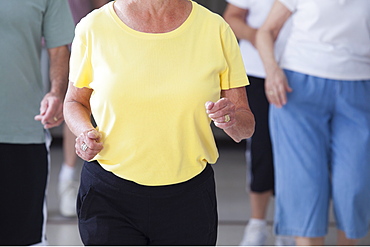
(251, 125)
(250, 128)
(260, 38)
(250, 131)
(246, 132)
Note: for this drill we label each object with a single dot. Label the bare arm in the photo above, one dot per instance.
(235, 104)
(236, 18)
(77, 114)
(276, 85)
(51, 107)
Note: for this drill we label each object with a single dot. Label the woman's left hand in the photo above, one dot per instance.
(221, 112)
(232, 114)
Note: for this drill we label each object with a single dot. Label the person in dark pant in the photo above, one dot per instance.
(180, 214)
(24, 139)
(153, 74)
(245, 17)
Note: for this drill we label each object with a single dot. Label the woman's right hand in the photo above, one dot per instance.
(88, 144)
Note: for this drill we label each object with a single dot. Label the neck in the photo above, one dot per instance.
(153, 16)
(153, 6)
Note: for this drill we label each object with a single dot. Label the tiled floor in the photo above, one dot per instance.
(233, 202)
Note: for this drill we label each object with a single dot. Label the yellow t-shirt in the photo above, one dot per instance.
(150, 91)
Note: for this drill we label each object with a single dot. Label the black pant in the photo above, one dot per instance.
(114, 211)
(262, 167)
(23, 177)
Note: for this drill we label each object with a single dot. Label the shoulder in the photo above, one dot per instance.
(95, 19)
(209, 18)
(205, 12)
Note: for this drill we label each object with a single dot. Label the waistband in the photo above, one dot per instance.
(127, 186)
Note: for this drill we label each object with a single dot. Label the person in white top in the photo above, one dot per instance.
(321, 116)
(245, 17)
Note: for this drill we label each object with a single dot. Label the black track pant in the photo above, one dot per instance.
(114, 211)
(262, 167)
(23, 177)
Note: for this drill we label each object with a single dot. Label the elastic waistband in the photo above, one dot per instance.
(126, 186)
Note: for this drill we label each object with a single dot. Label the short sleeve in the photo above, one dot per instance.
(80, 69)
(290, 4)
(58, 25)
(243, 4)
(234, 75)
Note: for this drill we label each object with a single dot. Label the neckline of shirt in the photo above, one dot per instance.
(174, 32)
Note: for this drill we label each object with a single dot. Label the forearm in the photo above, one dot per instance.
(243, 127)
(88, 139)
(77, 117)
(268, 33)
(265, 44)
(77, 113)
(59, 68)
(51, 106)
(77, 110)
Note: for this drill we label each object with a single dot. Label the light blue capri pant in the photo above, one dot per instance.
(321, 144)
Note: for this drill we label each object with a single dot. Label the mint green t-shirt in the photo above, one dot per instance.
(23, 23)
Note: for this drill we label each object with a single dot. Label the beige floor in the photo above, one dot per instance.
(233, 202)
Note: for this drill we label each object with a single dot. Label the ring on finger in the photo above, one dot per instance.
(271, 92)
(55, 119)
(84, 147)
(227, 118)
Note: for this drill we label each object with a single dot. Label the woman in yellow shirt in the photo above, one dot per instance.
(153, 73)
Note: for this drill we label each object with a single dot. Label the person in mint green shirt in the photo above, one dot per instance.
(27, 112)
